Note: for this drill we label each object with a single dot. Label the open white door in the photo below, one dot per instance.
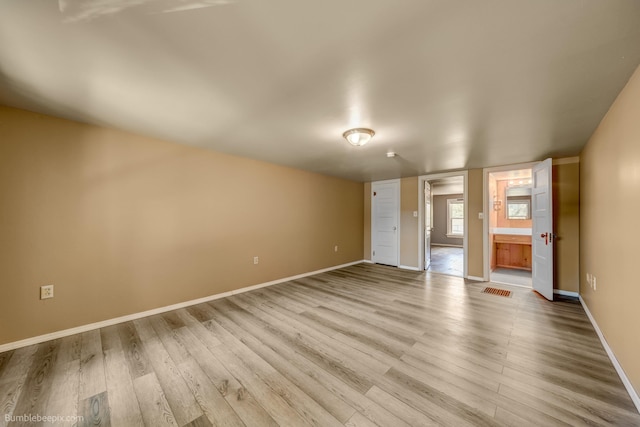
(385, 209)
(542, 234)
(427, 225)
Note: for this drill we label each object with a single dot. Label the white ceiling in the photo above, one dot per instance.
(445, 84)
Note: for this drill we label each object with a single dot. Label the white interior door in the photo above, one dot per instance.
(385, 209)
(542, 234)
(427, 225)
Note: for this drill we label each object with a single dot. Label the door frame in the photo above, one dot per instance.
(373, 224)
(422, 213)
(486, 246)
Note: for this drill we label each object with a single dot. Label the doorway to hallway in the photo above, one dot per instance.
(443, 223)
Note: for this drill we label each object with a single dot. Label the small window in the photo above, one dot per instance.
(455, 218)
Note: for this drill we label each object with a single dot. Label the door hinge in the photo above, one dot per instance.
(374, 253)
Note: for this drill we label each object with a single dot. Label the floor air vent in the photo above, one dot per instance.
(496, 291)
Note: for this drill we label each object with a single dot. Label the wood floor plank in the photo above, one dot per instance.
(211, 341)
(133, 349)
(37, 388)
(203, 421)
(153, 403)
(359, 420)
(169, 338)
(14, 378)
(65, 386)
(92, 379)
(94, 411)
(4, 360)
(181, 400)
(400, 409)
(216, 408)
(123, 402)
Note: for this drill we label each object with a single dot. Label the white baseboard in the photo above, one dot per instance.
(476, 278)
(406, 267)
(625, 380)
(91, 326)
(566, 293)
(368, 261)
(446, 245)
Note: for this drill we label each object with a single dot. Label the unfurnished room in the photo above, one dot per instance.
(339, 213)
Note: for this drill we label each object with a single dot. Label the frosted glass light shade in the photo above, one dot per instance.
(358, 136)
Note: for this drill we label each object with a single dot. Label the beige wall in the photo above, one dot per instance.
(475, 239)
(566, 223)
(120, 223)
(367, 222)
(609, 232)
(408, 223)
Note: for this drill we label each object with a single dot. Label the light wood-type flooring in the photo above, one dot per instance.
(361, 346)
(447, 260)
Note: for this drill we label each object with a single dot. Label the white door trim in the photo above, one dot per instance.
(398, 202)
(486, 247)
(421, 214)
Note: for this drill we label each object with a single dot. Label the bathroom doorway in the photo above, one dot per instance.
(510, 226)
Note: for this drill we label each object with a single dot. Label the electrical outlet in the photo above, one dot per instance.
(415, 214)
(335, 248)
(593, 280)
(46, 291)
(256, 259)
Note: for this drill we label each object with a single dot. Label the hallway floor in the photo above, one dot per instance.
(447, 260)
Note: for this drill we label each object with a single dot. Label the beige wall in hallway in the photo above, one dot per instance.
(476, 228)
(367, 222)
(408, 223)
(609, 231)
(566, 223)
(120, 223)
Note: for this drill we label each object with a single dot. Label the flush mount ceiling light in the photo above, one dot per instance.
(358, 136)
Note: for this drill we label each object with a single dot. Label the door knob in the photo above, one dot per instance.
(546, 238)
(394, 228)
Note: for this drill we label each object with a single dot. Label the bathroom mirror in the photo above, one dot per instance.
(518, 203)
